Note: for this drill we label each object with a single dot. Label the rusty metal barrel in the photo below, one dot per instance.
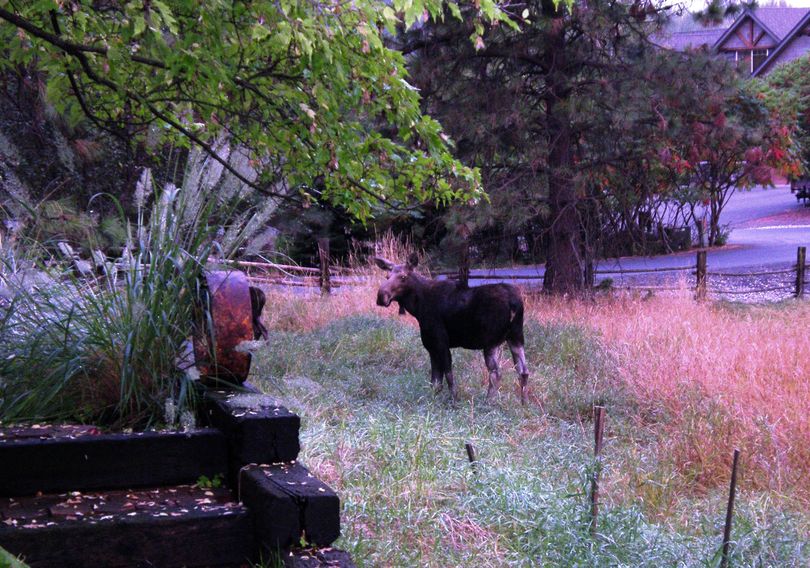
(227, 322)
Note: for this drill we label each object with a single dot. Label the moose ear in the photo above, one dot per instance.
(413, 260)
(383, 263)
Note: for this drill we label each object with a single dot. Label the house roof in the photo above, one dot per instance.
(747, 13)
(780, 21)
(681, 41)
(798, 27)
(685, 32)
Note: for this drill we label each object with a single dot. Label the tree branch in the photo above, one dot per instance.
(80, 53)
(69, 47)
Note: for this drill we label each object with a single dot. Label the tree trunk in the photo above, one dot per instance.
(568, 266)
(714, 219)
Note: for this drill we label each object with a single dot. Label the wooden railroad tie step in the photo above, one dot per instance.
(171, 526)
(75, 496)
(258, 429)
(50, 459)
(282, 506)
(289, 505)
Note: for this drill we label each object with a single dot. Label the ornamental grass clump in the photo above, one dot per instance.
(106, 350)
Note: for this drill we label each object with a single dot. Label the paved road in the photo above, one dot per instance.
(767, 225)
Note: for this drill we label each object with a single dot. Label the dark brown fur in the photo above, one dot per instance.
(453, 315)
(257, 302)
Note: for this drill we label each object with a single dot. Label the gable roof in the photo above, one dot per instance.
(747, 13)
(781, 21)
(684, 32)
(774, 55)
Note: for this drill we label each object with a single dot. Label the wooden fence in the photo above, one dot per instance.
(704, 281)
(791, 281)
(270, 274)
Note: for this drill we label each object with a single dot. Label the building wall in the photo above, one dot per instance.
(797, 48)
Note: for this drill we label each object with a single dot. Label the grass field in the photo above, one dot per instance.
(683, 384)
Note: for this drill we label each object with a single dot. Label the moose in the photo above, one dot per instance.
(451, 314)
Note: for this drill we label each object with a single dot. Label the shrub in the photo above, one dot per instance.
(107, 350)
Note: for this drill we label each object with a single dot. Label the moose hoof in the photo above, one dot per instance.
(524, 378)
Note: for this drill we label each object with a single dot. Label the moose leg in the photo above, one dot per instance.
(447, 370)
(435, 373)
(519, 357)
(491, 359)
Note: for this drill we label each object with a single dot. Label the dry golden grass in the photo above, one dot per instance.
(684, 383)
(710, 377)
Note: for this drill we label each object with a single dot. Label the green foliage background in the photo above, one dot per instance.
(303, 85)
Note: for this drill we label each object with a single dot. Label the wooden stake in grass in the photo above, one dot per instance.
(801, 259)
(471, 456)
(598, 431)
(730, 510)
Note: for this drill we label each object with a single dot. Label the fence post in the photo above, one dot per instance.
(700, 285)
(801, 260)
(730, 510)
(598, 431)
(464, 263)
(325, 277)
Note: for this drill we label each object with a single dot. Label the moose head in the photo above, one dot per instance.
(400, 281)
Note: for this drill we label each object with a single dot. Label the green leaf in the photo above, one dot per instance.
(139, 25)
(166, 15)
(258, 32)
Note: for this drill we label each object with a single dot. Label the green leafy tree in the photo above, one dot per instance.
(787, 91)
(300, 85)
(726, 140)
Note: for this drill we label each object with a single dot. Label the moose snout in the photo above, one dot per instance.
(383, 299)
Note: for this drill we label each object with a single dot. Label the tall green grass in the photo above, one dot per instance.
(106, 350)
(395, 454)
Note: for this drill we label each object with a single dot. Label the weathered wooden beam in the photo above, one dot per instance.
(93, 461)
(169, 528)
(289, 504)
(257, 428)
(325, 275)
(700, 279)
